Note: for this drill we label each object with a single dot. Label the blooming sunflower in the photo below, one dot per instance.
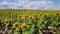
(6, 22)
(12, 19)
(30, 17)
(19, 16)
(24, 27)
(35, 15)
(16, 26)
(57, 14)
(45, 15)
(51, 13)
(26, 17)
(11, 14)
(22, 18)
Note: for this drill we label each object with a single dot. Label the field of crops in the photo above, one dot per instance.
(30, 21)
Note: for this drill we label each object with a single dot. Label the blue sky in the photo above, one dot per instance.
(30, 4)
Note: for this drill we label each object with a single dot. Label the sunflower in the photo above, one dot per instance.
(12, 19)
(51, 13)
(57, 14)
(6, 22)
(19, 16)
(35, 15)
(22, 19)
(45, 15)
(30, 17)
(24, 27)
(16, 26)
(26, 17)
(11, 14)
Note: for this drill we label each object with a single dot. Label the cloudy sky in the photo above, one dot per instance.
(30, 4)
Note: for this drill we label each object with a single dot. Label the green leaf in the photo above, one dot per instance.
(16, 32)
(30, 31)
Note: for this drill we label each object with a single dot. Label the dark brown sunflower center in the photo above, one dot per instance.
(22, 19)
(35, 15)
(57, 14)
(45, 15)
(25, 26)
(19, 16)
(26, 16)
(30, 17)
(17, 25)
(6, 21)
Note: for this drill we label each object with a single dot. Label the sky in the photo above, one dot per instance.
(30, 4)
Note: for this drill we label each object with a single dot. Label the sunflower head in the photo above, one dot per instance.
(6, 22)
(57, 14)
(22, 19)
(12, 14)
(26, 16)
(12, 19)
(50, 13)
(35, 15)
(16, 26)
(30, 17)
(19, 16)
(24, 27)
(45, 16)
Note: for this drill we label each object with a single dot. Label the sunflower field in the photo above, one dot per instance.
(29, 21)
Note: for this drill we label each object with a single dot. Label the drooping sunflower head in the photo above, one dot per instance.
(16, 26)
(6, 22)
(24, 27)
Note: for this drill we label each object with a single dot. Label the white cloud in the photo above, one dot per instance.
(4, 3)
(27, 4)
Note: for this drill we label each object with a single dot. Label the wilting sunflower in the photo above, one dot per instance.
(24, 27)
(6, 22)
(16, 26)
